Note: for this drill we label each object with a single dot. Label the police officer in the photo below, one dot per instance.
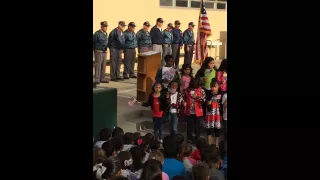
(116, 44)
(129, 51)
(167, 38)
(144, 38)
(100, 45)
(188, 40)
(157, 36)
(177, 42)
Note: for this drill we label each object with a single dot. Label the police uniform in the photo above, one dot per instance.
(157, 37)
(188, 40)
(177, 42)
(129, 52)
(167, 38)
(116, 45)
(100, 45)
(144, 39)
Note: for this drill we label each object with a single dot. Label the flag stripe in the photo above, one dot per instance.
(204, 31)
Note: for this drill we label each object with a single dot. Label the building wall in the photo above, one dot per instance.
(140, 11)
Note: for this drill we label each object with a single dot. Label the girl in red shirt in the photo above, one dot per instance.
(157, 101)
(193, 98)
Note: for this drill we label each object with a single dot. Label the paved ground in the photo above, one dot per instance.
(127, 89)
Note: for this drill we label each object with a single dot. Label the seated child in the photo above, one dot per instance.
(172, 166)
(138, 155)
(98, 156)
(108, 169)
(158, 163)
(179, 178)
(105, 135)
(108, 149)
(129, 140)
(200, 171)
(117, 131)
(200, 142)
(211, 157)
(185, 155)
(117, 143)
(126, 163)
(151, 171)
(137, 135)
(154, 145)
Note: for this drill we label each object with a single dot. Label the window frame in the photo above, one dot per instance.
(206, 1)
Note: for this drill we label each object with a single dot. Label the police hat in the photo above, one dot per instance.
(177, 22)
(170, 25)
(122, 23)
(146, 23)
(191, 24)
(132, 24)
(160, 20)
(104, 24)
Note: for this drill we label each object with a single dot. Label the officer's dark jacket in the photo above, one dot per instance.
(130, 40)
(100, 41)
(156, 36)
(188, 37)
(177, 36)
(143, 38)
(167, 37)
(116, 40)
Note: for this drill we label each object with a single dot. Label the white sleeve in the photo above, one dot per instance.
(224, 98)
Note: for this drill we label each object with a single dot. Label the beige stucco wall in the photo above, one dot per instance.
(139, 11)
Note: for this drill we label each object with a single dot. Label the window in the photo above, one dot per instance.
(210, 4)
(181, 3)
(166, 2)
(221, 6)
(195, 4)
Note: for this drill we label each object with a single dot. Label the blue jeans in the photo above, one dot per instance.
(157, 127)
(173, 122)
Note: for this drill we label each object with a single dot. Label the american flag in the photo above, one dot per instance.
(204, 31)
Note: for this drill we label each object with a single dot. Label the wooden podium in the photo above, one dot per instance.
(148, 65)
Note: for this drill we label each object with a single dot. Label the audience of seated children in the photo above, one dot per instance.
(172, 166)
(129, 140)
(126, 165)
(104, 135)
(200, 142)
(138, 154)
(159, 164)
(108, 169)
